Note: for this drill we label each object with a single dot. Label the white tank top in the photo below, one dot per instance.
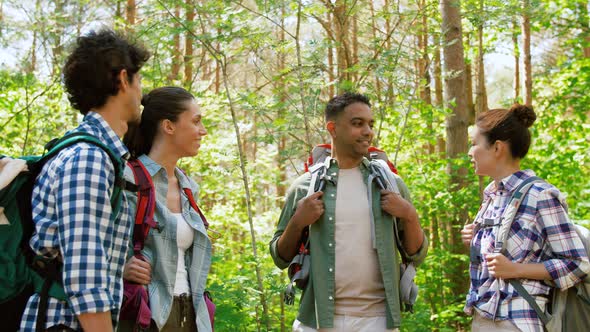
(184, 239)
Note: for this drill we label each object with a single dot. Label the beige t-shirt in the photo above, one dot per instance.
(358, 283)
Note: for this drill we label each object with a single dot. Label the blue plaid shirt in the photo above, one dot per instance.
(72, 215)
(541, 233)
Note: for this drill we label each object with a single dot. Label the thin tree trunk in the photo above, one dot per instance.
(355, 44)
(57, 48)
(584, 21)
(342, 31)
(469, 92)
(438, 86)
(176, 52)
(515, 33)
(376, 51)
(130, 15)
(457, 121)
(248, 196)
(188, 47)
(330, 50)
(526, 32)
(282, 138)
(300, 77)
(118, 15)
(217, 67)
(481, 97)
(33, 63)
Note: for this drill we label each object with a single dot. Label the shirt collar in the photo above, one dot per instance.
(153, 167)
(331, 161)
(107, 134)
(509, 183)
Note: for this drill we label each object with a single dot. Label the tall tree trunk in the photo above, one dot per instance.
(248, 197)
(376, 51)
(176, 52)
(118, 15)
(217, 66)
(330, 50)
(515, 33)
(584, 23)
(33, 63)
(438, 86)
(308, 142)
(469, 91)
(342, 31)
(456, 126)
(57, 48)
(281, 86)
(188, 47)
(526, 32)
(481, 97)
(355, 45)
(130, 15)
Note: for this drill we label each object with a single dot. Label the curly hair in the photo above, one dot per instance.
(91, 72)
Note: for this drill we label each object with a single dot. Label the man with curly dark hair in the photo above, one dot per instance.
(75, 223)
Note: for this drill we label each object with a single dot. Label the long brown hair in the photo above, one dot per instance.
(162, 103)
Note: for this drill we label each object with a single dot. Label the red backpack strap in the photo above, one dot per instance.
(191, 199)
(146, 205)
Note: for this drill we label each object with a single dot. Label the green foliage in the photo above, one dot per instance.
(279, 95)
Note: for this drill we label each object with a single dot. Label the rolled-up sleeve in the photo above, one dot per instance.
(418, 257)
(569, 262)
(294, 194)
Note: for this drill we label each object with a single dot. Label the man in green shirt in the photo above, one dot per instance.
(354, 275)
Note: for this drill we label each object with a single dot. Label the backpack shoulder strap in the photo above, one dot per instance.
(510, 212)
(318, 173)
(146, 205)
(502, 237)
(386, 179)
(58, 144)
(193, 203)
(191, 199)
(381, 170)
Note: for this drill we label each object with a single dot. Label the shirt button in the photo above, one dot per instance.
(330, 244)
(330, 298)
(330, 218)
(331, 195)
(331, 270)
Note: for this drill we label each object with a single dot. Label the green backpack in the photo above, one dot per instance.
(22, 272)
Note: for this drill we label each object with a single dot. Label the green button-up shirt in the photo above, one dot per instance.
(317, 302)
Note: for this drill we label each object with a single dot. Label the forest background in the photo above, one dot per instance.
(263, 70)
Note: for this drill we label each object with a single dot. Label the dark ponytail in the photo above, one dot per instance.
(509, 125)
(160, 104)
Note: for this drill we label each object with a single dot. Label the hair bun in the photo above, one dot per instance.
(145, 99)
(524, 113)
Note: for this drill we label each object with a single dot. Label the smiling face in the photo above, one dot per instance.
(482, 154)
(352, 131)
(188, 131)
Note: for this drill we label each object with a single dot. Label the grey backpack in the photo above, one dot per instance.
(576, 299)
